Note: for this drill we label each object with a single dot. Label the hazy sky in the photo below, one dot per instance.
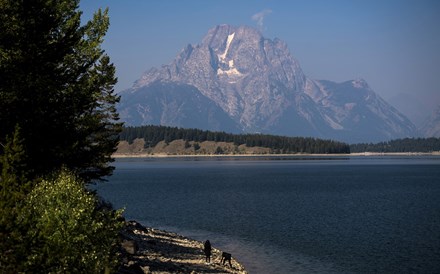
(393, 44)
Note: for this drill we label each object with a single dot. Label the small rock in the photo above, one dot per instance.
(130, 246)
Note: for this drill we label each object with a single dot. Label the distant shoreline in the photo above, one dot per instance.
(148, 155)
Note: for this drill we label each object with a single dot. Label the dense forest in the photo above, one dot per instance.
(278, 144)
(400, 145)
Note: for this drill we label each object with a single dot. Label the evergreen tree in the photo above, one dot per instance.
(57, 83)
(219, 150)
(400, 145)
(14, 187)
(196, 146)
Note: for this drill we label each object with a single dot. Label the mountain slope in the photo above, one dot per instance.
(431, 127)
(261, 88)
(174, 105)
(353, 110)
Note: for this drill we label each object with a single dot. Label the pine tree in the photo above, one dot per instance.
(14, 186)
(57, 83)
(218, 150)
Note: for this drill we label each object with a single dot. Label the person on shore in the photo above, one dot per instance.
(207, 250)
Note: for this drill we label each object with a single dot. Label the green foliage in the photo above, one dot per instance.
(69, 235)
(14, 171)
(52, 226)
(279, 144)
(57, 83)
(400, 145)
(14, 186)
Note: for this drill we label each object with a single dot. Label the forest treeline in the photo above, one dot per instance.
(399, 145)
(278, 144)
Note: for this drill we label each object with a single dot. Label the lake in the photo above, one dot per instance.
(298, 214)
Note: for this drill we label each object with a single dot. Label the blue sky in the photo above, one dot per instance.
(393, 44)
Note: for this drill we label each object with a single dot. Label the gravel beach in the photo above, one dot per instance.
(148, 250)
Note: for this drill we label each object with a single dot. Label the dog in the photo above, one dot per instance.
(226, 257)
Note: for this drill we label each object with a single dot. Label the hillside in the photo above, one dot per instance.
(181, 147)
(179, 141)
(161, 140)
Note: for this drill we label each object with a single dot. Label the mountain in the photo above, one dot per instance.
(174, 104)
(411, 106)
(247, 83)
(431, 126)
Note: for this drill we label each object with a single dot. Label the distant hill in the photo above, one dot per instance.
(238, 81)
(172, 140)
(179, 141)
(181, 147)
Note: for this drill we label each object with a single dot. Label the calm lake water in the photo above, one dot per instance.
(293, 215)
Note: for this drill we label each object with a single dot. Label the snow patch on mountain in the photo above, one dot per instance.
(228, 66)
(222, 57)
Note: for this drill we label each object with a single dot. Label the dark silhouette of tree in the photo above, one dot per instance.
(218, 150)
(14, 187)
(196, 146)
(57, 84)
(187, 144)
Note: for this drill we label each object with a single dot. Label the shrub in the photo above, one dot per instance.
(69, 234)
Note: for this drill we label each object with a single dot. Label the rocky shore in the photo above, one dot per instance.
(148, 250)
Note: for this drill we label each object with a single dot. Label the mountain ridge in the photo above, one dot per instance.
(260, 87)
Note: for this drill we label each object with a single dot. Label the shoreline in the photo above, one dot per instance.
(148, 155)
(150, 250)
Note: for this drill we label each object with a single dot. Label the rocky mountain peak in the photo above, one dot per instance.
(360, 84)
(233, 66)
(260, 87)
(215, 37)
(240, 51)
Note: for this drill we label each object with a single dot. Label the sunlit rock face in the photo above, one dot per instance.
(247, 83)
